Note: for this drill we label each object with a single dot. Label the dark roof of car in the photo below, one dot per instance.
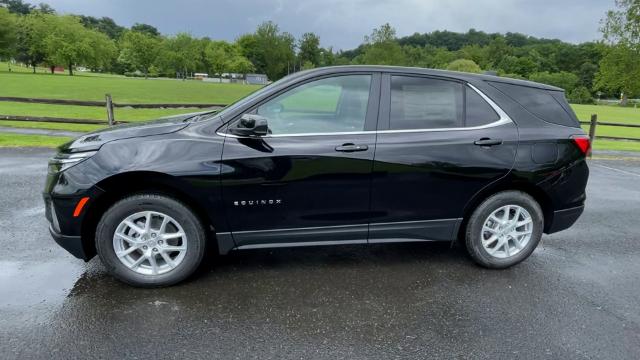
(469, 77)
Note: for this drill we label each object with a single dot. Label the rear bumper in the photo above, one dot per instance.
(563, 219)
(73, 244)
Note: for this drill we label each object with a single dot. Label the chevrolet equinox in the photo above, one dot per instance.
(337, 155)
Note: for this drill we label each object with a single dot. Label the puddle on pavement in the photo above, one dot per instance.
(28, 283)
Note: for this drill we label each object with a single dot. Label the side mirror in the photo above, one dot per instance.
(250, 125)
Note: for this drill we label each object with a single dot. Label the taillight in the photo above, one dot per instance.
(583, 143)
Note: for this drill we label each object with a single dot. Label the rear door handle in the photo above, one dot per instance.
(351, 148)
(488, 142)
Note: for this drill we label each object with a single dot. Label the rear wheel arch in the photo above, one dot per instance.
(122, 185)
(539, 195)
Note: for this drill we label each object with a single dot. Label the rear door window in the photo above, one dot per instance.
(425, 103)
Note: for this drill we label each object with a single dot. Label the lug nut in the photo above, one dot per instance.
(153, 234)
(160, 242)
(145, 247)
(155, 249)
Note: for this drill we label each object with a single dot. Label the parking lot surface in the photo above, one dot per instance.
(577, 297)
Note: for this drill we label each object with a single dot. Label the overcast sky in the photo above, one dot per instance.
(343, 23)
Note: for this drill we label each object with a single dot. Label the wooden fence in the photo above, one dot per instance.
(108, 104)
(593, 124)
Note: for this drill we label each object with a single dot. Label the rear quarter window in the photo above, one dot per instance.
(548, 105)
(478, 111)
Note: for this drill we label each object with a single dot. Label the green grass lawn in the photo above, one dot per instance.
(123, 90)
(86, 112)
(18, 140)
(51, 125)
(608, 113)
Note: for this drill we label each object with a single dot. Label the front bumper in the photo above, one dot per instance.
(73, 244)
(563, 219)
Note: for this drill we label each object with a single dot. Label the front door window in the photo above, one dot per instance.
(331, 105)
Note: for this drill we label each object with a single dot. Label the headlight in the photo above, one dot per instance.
(63, 161)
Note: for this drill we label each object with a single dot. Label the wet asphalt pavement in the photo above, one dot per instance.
(578, 296)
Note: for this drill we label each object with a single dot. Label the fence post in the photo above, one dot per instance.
(592, 130)
(110, 116)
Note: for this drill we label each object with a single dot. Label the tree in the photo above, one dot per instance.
(478, 54)
(144, 28)
(17, 6)
(517, 65)
(140, 50)
(180, 54)
(382, 48)
(223, 57)
(8, 28)
(327, 58)
(103, 51)
(620, 72)
(32, 30)
(241, 65)
(497, 50)
(622, 25)
(309, 49)
(271, 51)
(45, 9)
(71, 44)
(620, 67)
(563, 79)
(105, 25)
(464, 66)
(218, 55)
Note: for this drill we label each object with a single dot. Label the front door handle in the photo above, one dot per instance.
(351, 147)
(488, 142)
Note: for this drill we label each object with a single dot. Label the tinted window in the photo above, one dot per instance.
(479, 112)
(337, 104)
(545, 104)
(423, 103)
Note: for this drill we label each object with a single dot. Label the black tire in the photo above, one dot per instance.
(195, 235)
(473, 235)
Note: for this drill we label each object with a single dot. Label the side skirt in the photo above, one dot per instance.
(377, 233)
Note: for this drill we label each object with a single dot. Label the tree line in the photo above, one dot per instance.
(36, 35)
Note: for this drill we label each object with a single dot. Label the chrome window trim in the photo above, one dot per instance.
(504, 119)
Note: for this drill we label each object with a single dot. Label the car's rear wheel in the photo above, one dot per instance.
(150, 240)
(504, 230)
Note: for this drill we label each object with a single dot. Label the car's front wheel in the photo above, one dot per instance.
(150, 240)
(504, 230)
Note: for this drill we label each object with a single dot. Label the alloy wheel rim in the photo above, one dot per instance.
(506, 231)
(150, 243)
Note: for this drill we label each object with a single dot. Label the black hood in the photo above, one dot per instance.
(94, 140)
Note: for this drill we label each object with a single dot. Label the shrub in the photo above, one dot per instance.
(580, 95)
(464, 65)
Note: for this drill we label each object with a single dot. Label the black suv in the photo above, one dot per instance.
(338, 155)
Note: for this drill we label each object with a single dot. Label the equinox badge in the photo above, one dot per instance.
(257, 202)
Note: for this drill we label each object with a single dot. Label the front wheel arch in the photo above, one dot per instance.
(126, 184)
